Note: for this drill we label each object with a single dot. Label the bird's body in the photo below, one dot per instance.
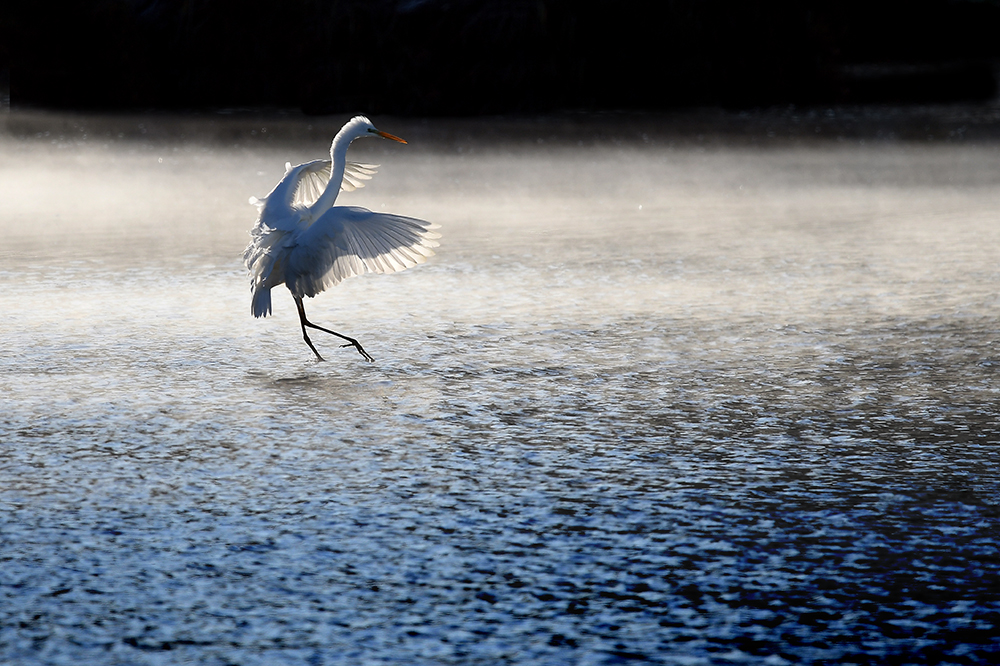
(302, 240)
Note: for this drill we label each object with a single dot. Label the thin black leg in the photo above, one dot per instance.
(305, 322)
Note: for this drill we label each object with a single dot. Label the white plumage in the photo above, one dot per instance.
(303, 241)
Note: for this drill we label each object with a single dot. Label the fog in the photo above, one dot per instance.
(657, 396)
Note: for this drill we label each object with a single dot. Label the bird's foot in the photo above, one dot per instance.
(361, 350)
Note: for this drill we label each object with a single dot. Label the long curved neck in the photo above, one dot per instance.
(338, 155)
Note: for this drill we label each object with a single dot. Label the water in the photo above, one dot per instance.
(675, 400)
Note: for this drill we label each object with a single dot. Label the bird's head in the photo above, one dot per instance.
(364, 127)
(356, 128)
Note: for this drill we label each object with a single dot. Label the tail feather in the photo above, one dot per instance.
(261, 305)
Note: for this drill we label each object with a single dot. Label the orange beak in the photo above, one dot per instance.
(386, 135)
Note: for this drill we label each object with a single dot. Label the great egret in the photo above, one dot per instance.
(303, 241)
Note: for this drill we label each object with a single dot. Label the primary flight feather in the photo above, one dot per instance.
(302, 240)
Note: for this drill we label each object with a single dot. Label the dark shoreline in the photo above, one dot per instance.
(776, 125)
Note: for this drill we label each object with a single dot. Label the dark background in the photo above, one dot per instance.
(465, 57)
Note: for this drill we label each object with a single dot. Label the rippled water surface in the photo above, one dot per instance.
(688, 402)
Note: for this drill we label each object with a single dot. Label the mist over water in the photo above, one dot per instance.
(676, 400)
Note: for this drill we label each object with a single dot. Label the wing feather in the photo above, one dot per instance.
(378, 254)
(364, 250)
(349, 240)
(355, 173)
(313, 180)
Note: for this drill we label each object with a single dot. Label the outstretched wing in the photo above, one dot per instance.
(349, 240)
(355, 174)
(313, 180)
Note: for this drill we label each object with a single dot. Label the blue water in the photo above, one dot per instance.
(658, 402)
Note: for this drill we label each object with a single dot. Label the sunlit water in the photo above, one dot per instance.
(683, 402)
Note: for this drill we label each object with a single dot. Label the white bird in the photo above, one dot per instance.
(303, 241)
